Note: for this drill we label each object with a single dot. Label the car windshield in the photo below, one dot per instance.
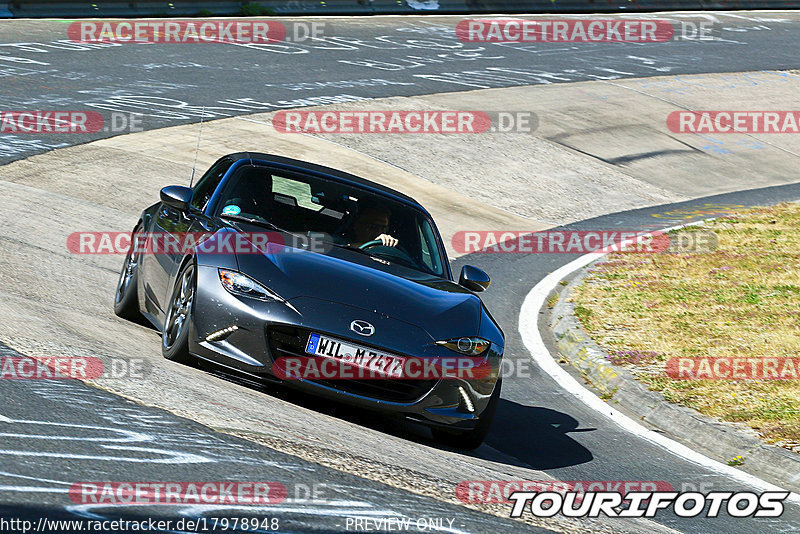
(346, 216)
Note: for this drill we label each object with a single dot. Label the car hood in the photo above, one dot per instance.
(440, 307)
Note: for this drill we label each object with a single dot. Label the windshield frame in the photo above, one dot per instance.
(212, 205)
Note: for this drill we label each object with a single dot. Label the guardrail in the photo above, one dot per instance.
(114, 8)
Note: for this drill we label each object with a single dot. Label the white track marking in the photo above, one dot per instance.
(169, 457)
(529, 331)
(33, 489)
(129, 436)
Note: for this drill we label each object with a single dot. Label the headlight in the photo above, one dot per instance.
(241, 284)
(468, 346)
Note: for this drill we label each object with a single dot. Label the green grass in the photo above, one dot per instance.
(738, 300)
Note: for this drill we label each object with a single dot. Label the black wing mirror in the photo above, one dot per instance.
(473, 278)
(176, 196)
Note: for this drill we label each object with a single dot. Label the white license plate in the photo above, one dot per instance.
(356, 355)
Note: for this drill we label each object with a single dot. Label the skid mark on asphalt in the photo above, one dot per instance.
(116, 440)
(165, 443)
(129, 436)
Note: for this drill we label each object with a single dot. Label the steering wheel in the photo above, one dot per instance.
(392, 252)
(370, 244)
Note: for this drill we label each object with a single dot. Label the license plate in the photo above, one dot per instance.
(356, 355)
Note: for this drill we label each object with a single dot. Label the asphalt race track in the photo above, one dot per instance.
(120, 437)
(57, 432)
(364, 57)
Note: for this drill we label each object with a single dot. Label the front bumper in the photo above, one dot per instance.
(253, 346)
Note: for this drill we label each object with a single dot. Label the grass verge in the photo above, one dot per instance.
(739, 301)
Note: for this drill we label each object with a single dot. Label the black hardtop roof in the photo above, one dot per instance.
(322, 170)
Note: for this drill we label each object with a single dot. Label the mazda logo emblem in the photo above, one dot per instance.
(362, 328)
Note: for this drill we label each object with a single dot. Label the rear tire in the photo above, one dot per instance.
(126, 298)
(175, 334)
(471, 439)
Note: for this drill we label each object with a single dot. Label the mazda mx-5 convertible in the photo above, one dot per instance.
(269, 260)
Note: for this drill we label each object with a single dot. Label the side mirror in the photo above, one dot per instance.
(473, 278)
(176, 196)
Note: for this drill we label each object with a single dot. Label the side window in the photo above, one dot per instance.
(208, 183)
(430, 255)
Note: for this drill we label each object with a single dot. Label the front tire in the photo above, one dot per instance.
(126, 298)
(175, 334)
(471, 439)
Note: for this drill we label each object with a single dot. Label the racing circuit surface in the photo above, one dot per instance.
(56, 303)
(362, 57)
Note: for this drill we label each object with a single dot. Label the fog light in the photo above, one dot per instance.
(222, 334)
(467, 401)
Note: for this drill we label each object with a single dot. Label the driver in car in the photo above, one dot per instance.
(372, 224)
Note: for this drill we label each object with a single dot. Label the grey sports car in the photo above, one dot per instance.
(272, 268)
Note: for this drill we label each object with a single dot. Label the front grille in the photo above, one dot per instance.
(287, 340)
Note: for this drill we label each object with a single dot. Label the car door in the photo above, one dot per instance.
(170, 228)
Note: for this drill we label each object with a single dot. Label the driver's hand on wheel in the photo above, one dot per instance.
(387, 240)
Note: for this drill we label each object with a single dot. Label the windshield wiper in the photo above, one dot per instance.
(351, 247)
(401, 261)
(258, 222)
(380, 256)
